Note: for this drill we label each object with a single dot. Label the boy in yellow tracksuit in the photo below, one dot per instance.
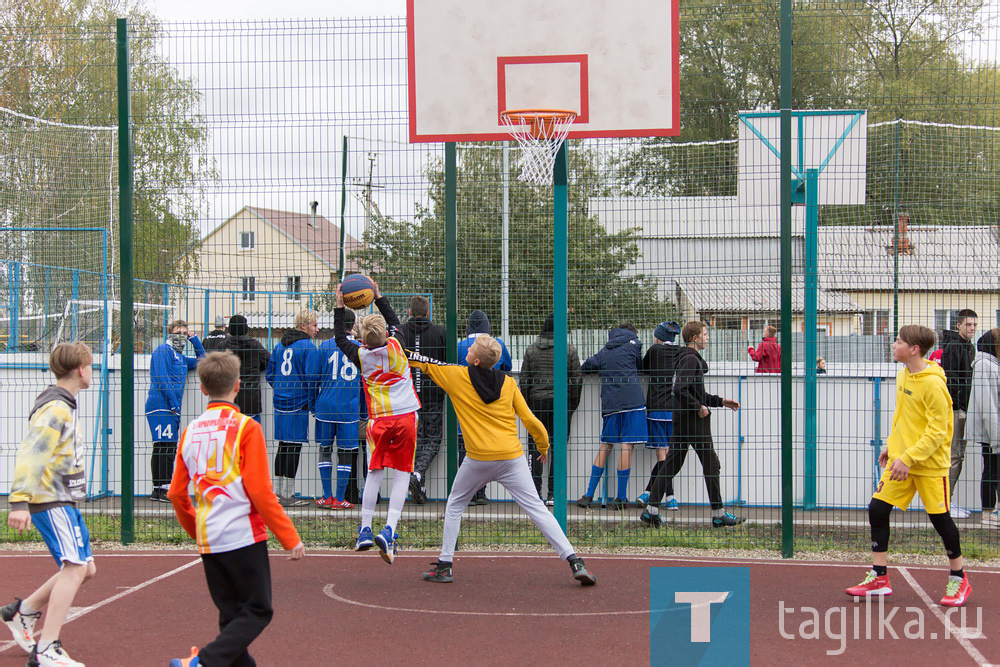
(488, 404)
(916, 460)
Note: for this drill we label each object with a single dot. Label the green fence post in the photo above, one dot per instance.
(809, 340)
(125, 259)
(343, 212)
(560, 303)
(787, 463)
(451, 290)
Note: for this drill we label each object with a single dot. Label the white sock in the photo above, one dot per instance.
(397, 497)
(719, 513)
(669, 498)
(370, 497)
(25, 609)
(652, 509)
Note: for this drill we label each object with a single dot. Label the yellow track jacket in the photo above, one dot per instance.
(487, 403)
(922, 423)
(48, 470)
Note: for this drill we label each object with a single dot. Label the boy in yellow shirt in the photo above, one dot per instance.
(916, 460)
(488, 403)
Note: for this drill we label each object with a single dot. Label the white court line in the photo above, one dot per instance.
(949, 626)
(77, 612)
(328, 591)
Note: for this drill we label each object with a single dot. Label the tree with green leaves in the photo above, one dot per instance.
(409, 255)
(57, 63)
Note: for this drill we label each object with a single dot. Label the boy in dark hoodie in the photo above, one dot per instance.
(956, 361)
(479, 325)
(623, 408)
(49, 480)
(537, 384)
(294, 392)
(658, 366)
(253, 358)
(488, 404)
(692, 428)
(427, 339)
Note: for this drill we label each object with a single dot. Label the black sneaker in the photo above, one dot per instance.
(480, 498)
(159, 495)
(618, 504)
(653, 520)
(550, 501)
(440, 572)
(580, 572)
(727, 519)
(585, 502)
(416, 493)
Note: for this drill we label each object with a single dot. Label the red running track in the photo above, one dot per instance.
(144, 608)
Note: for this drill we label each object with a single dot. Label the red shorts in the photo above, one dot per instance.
(392, 442)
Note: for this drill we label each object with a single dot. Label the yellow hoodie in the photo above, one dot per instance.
(487, 404)
(922, 423)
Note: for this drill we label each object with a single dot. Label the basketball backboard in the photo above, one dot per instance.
(834, 142)
(614, 63)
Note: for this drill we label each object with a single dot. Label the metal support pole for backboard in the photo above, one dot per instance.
(343, 213)
(809, 347)
(125, 255)
(787, 467)
(560, 330)
(14, 305)
(505, 246)
(451, 291)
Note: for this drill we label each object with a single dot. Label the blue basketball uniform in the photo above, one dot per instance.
(660, 425)
(291, 426)
(65, 534)
(627, 427)
(345, 434)
(164, 425)
(338, 397)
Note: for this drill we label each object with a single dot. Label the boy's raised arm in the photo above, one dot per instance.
(348, 347)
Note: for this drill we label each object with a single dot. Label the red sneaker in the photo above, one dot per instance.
(956, 591)
(872, 585)
(342, 505)
(326, 503)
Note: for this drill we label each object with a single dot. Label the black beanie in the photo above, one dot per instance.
(238, 326)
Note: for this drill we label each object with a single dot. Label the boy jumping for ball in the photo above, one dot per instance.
(916, 460)
(488, 403)
(49, 480)
(223, 451)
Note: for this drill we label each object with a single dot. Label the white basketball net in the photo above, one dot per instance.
(540, 133)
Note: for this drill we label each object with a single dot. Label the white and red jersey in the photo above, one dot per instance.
(223, 452)
(389, 388)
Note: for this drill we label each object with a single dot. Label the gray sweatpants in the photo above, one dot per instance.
(515, 476)
(957, 450)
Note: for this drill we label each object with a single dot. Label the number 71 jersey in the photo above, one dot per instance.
(339, 384)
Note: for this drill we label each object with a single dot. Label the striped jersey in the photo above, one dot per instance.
(223, 452)
(385, 372)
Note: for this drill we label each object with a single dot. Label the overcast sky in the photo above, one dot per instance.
(227, 10)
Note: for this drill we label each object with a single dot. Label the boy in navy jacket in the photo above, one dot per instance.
(623, 407)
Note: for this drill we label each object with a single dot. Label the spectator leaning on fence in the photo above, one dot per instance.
(623, 408)
(253, 360)
(983, 420)
(217, 339)
(537, 384)
(427, 339)
(294, 391)
(768, 353)
(168, 369)
(956, 360)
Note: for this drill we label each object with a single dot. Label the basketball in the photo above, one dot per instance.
(358, 291)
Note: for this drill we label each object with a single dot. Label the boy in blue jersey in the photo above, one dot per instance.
(288, 372)
(479, 324)
(168, 370)
(623, 408)
(337, 411)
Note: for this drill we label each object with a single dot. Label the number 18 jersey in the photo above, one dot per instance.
(339, 385)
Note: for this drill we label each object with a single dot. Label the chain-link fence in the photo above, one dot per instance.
(271, 159)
